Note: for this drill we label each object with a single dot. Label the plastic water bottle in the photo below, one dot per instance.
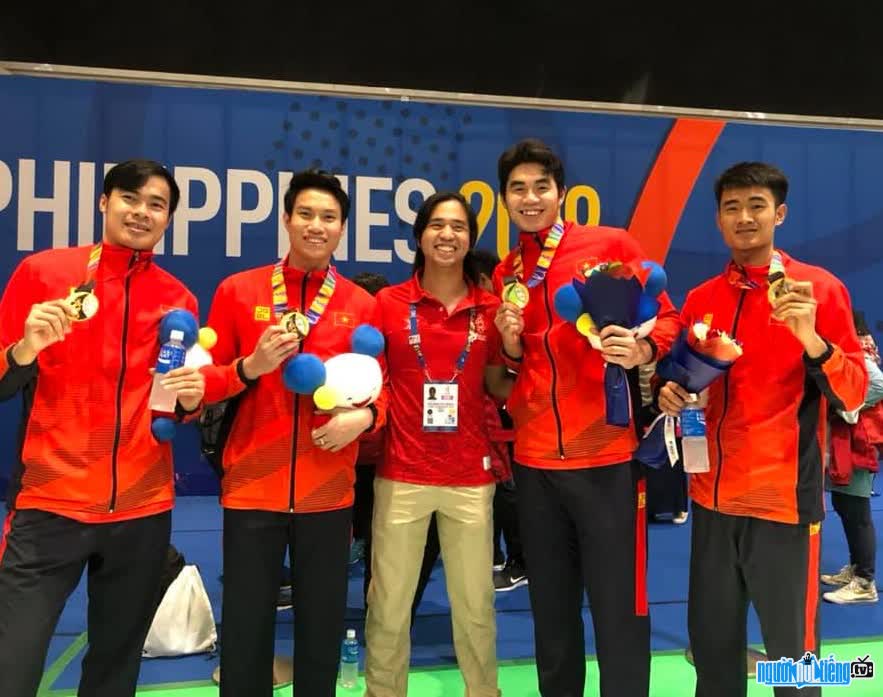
(349, 661)
(694, 443)
(171, 355)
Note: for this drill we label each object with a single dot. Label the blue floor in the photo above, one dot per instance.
(197, 534)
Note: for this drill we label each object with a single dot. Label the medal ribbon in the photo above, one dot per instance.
(320, 302)
(550, 246)
(92, 268)
(414, 340)
(738, 276)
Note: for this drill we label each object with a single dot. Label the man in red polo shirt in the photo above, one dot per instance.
(440, 340)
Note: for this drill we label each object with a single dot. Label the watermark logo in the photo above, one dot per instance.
(810, 671)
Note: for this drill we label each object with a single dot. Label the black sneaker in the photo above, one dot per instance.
(511, 577)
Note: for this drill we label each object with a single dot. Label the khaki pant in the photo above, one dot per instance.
(465, 526)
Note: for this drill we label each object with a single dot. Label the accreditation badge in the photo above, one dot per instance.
(440, 406)
(84, 303)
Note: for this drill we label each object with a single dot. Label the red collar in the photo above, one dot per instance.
(416, 294)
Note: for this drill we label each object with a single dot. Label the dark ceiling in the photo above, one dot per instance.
(759, 59)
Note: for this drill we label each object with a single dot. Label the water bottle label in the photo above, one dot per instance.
(693, 423)
(171, 356)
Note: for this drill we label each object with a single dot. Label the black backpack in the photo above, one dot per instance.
(214, 427)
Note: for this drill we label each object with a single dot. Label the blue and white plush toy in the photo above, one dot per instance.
(346, 380)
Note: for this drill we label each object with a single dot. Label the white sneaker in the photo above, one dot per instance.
(858, 590)
(680, 518)
(841, 578)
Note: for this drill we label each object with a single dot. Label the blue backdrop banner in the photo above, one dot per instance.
(233, 151)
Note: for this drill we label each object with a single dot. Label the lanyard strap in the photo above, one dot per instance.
(550, 246)
(92, 268)
(414, 340)
(738, 276)
(320, 302)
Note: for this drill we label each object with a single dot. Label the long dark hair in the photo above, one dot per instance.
(470, 268)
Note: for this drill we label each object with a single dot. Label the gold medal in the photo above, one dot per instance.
(516, 293)
(295, 323)
(778, 287)
(84, 304)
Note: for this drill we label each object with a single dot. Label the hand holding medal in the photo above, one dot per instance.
(794, 304)
(280, 341)
(46, 324)
(509, 319)
(274, 346)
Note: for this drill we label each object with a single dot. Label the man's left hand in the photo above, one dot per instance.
(189, 383)
(620, 347)
(342, 429)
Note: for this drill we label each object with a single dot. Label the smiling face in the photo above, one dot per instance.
(314, 229)
(532, 198)
(747, 218)
(445, 241)
(137, 219)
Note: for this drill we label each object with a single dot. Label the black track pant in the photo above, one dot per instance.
(254, 550)
(858, 525)
(586, 530)
(735, 560)
(42, 557)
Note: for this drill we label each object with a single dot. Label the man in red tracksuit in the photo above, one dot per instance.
(757, 511)
(92, 486)
(581, 498)
(287, 477)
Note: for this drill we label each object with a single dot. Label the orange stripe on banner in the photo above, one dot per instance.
(812, 589)
(7, 526)
(641, 605)
(670, 183)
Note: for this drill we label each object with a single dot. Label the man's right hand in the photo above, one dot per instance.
(47, 323)
(274, 346)
(673, 398)
(509, 321)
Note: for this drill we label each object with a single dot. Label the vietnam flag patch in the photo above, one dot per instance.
(344, 319)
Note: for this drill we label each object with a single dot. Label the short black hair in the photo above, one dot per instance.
(485, 261)
(747, 174)
(321, 180)
(131, 175)
(422, 220)
(372, 282)
(530, 151)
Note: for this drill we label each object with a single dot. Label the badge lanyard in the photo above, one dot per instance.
(414, 340)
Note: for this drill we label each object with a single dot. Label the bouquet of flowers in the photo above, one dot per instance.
(613, 293)
(699, 356)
